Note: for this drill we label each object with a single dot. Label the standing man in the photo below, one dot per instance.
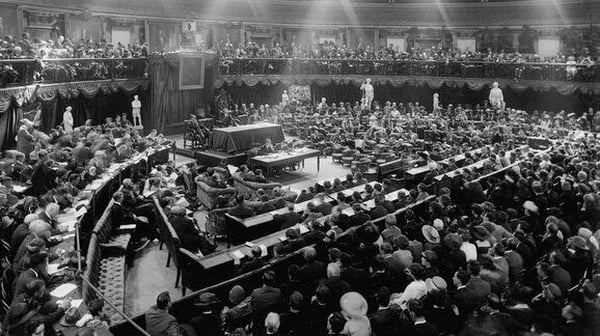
(68, 120)
(368, 92)
(136, 107)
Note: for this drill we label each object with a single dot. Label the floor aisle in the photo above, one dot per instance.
(149, 276)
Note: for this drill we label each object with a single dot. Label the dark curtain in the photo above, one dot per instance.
(9, 124)
(527, 99)
(172, 106)
(335, 93)
(258, 94)
(97, 108)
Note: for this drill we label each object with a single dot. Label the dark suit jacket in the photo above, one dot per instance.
(187, 233)
(241, 211)
(18, 236)
(312, 272)
(337, 288)
(42, 179)
(359, 219)
(287, 219)
(378, 211)
(463, 301)
(250, 265)
(265, 298)
(23, 279)
(120, 216)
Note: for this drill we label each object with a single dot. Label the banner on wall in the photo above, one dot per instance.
(191, 72)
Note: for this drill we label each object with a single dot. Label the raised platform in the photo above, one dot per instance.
(212, 158)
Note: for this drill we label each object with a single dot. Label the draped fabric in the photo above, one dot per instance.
(96, 108)
(172, 106)
(564, 88)
(89, 100)
(451, 92)
(9, 124)
(258, 94)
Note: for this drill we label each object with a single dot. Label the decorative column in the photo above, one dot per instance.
(243, 34)
(376, 37)
(20, 27)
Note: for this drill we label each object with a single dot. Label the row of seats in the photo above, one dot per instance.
(107, 259)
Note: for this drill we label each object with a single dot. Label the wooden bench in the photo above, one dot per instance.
(168, 237)
(105, 232)
(108, 273)
(389, 168)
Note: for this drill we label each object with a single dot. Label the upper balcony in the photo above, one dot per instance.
(463, 69)
(21, 72)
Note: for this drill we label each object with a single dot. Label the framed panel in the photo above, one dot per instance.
(191, 72)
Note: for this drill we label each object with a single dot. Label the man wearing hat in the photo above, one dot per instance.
(209, 321)
(30, 313)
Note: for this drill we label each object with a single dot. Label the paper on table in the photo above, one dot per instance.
(263, 250)
(67, 226)
(19, 189)
(63, 290)
(53, 268)
(68, 236)
(237, 254)
(303, 229)
(74, 303)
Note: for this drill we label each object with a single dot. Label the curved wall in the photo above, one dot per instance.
(334, 13)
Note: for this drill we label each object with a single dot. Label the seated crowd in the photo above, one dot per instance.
(25, 47)
(330, 50)
(513, 254)
(53, 174)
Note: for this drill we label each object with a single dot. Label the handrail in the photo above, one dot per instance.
(19, 72)
(140, 329)
(427, 68)
(391, 60)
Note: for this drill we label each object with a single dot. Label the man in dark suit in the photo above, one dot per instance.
(359, 217)
(158, 319)
(144, 231)
(462, 296)
(322, 207)
(49, 214)
(288, 219)
(42, 178)
(336, 285)
(265, 299)
(36, 270)
(313, 269)
(379, 210)
(479, 288)
(255, 261)
(188, 233)
(241, 210)
(386, 321)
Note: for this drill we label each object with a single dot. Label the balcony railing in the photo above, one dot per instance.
(17, 72)
(466, 69)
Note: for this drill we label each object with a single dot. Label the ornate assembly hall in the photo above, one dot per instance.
(300, 167)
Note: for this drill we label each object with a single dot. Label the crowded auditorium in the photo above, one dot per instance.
(300, 167)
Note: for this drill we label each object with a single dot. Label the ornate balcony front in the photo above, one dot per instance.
(453, 69)
(23, 72)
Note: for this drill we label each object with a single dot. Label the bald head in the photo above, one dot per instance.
(39, 228)
(52, 210)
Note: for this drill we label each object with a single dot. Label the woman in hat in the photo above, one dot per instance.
(354, 309)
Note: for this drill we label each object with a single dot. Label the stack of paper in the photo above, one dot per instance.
(19, 189)
(63, 290)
